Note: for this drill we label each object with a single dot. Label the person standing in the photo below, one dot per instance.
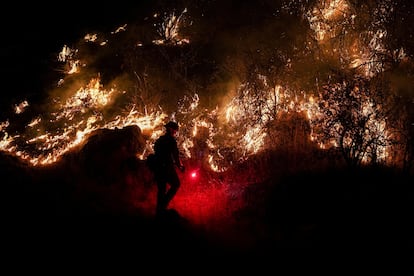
(167, 156)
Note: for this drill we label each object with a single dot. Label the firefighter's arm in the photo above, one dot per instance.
(177, 160)
(180, 164)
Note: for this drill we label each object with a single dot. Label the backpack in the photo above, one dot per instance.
(151, 162)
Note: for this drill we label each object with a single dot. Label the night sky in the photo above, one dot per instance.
(34, 33)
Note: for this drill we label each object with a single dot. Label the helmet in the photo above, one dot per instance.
(172, 125)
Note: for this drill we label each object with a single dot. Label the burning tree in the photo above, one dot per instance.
(354, 118)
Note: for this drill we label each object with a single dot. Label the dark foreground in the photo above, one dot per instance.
(335, 221)
(172, 244)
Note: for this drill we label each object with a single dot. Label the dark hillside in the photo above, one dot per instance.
(100, 199)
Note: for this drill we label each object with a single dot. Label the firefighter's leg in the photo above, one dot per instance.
(161, 197)
(174, 182)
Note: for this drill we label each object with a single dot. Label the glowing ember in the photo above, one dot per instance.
(20, 108)
(169, 30)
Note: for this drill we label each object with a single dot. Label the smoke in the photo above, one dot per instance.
(119, 74)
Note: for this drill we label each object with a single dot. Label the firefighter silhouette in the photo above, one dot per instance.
(167, 156)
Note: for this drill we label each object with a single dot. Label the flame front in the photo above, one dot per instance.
(231, 131)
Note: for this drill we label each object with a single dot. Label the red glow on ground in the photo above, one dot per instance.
(201, 203)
